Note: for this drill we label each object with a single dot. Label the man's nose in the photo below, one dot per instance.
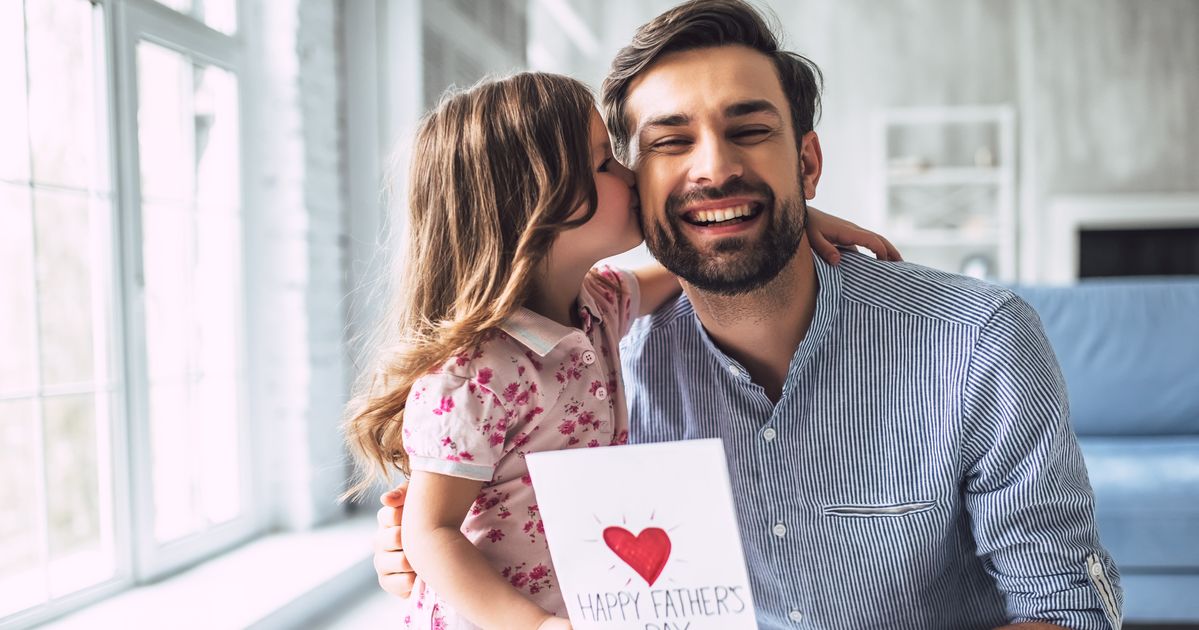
(714, 162)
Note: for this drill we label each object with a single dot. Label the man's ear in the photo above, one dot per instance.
(811, 161)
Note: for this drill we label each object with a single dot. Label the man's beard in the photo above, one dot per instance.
(736, 264)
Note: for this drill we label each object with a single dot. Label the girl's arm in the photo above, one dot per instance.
(657, 285)
(825, 232)
(447, 561)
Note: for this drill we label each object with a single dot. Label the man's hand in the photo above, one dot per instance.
(391, 564)
(555, 623)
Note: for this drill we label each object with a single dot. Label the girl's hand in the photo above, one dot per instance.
(555, 623)
(826, 232)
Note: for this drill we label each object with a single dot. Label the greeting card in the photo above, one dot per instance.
(644, 536)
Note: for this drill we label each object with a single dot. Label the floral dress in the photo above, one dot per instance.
(534, 385)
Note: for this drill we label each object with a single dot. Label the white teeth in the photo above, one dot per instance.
(723, 214)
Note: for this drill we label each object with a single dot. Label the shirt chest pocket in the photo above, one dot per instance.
(887, 510)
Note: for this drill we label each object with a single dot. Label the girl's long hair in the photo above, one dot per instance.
(497, 171)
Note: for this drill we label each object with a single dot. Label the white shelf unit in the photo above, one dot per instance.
(945, 187)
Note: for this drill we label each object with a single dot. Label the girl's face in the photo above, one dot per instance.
(615, 227)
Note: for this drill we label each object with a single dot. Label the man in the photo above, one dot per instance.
(898, 438)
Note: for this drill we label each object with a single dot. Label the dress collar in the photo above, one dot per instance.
(542, 334)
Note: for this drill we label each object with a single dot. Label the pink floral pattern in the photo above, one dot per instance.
(534, 386)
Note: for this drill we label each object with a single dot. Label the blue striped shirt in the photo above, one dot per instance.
(919, 470)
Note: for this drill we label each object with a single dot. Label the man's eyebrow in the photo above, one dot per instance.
(665, 120)
(756, 106)
(743, 108)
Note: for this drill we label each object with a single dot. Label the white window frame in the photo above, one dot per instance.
(134, 21)
(139, 558)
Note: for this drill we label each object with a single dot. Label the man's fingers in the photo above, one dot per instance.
(395, 573)
(388, 539)
(398, 584)
(394, 497)
(387, 516)
(392, 562)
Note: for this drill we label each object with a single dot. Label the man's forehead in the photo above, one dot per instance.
(707, 80)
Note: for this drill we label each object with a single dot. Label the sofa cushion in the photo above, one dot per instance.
(1129, 349)
(1146, 499)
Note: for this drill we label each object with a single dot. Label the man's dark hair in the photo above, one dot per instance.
(705, 24)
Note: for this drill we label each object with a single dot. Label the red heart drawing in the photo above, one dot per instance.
(646, 552)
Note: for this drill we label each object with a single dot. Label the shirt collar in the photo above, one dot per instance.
(828, 302)
(828, 306)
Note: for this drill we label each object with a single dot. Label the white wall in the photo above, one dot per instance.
(296, 230)
(1109, 94)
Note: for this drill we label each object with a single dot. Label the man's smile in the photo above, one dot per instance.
(722, 217)
(721, 213)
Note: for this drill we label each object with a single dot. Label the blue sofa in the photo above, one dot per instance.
(1129, 349)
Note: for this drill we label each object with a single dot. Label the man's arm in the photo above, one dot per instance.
(1026, 486)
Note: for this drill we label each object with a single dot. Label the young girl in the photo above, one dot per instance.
(504, 339)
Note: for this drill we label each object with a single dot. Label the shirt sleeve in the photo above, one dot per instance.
(1026, 486)
(454, 425)
(617, 293)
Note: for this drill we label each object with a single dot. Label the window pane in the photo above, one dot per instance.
(17, 330)
(66, 80)
(14, 120)
(191, 233)
(173, 463)
(217, 263)
(167, 255)
(219, 14)
(56, 525)
(22, 568)
(79, 555)
(64, 267)
(218, 172)
(165, 124)
(219, 497)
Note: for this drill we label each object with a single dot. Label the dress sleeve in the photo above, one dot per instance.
(617, 294)
(1026, 486)
(454, 425)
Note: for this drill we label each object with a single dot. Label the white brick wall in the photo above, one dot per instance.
(296, 228)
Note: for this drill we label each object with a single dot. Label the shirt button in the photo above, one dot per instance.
(601, 393)
(588, 357)
(769, 434)
(1096, 570)
(779, 530)
(734, 370)
(796, 616)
